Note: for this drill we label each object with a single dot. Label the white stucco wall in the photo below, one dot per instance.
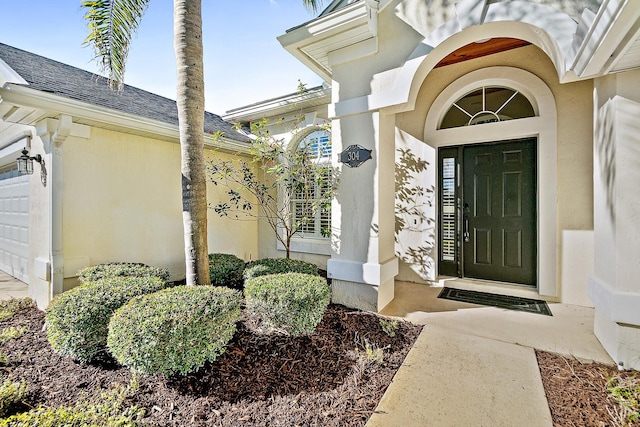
(614, 288)
(574, 135)
(440, 11)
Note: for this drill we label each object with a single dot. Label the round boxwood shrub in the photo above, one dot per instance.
(120, 269)
(77, 320)
(289, 303)
(226, 270)
(175, 330)
(265, 266)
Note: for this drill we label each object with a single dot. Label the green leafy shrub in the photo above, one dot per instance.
(226, 270)
(176, 330)
(11, 392)
(262, 267)
(389, 326)
(11, 306)
(290, 303)
(77, 320)
(107, 410)
(120, 269)
(11, 333)
(625, 390)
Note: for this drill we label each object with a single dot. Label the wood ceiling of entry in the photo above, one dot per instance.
(477, 50)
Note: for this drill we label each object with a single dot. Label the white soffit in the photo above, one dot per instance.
(611, 43)
(630, 58)
(313, 42)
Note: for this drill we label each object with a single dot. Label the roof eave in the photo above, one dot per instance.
(283, 104)
(615, 28)
(85, 113)
(312, 42)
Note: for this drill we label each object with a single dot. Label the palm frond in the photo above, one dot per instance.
(112, 24)
(312, 5)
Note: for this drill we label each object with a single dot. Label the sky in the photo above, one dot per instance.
(244, 62)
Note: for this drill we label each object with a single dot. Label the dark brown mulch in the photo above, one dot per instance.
(577, 392)
(260, 380)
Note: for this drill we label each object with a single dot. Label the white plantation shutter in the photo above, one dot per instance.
(318, 144)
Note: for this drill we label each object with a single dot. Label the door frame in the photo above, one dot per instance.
(456, 267)
(542, 126)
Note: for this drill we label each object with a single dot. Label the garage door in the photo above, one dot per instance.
(14, 223)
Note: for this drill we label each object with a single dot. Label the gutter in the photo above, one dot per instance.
(20, 136)
(10, 147)
(282, 104)
(84, 111)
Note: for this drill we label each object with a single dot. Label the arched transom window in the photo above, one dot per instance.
(487, 104)
(318, 145)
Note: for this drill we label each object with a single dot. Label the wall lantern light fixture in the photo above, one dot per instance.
(25, 164)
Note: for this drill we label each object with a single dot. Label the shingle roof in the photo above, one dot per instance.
(54, 77)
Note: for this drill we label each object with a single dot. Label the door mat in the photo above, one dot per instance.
(502, 301)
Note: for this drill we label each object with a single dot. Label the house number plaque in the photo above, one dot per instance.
(355, 155)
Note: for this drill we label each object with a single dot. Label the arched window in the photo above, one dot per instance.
(307, 206)
(487, 104)
(318, 145)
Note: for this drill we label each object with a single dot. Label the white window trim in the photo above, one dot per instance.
(308, 244)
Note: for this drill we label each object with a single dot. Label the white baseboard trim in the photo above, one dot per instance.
(619, 306)
(370, 273)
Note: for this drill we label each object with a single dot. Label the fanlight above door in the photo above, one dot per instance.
(487, 104)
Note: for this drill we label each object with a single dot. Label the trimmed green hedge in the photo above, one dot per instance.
(11, 306)
(290, 303)
(175, 330)
(226, 270)
(109, 410)
(11, 393)
(262, 267)
(120, 269)
(77, 320)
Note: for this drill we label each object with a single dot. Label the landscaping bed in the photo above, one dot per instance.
(578, 392)
(332, 377)
(335, 376)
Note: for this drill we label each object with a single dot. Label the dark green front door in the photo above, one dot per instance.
(495, 212)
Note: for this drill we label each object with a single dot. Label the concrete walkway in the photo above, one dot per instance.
(475, 365)
(10, 287)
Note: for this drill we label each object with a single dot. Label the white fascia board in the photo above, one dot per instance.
(610, 28)
(324, 28)
(226, 145)
(82, 110)
(8, 75)
(280, 105)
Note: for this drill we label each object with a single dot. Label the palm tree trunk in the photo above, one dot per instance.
(190, 101)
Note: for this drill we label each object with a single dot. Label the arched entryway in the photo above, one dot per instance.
(495, 130)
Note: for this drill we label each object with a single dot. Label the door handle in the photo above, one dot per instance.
(465, 230)
(465, 233)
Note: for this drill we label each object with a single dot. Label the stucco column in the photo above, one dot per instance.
(615, 288)
(363, 264)
(47, 280)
